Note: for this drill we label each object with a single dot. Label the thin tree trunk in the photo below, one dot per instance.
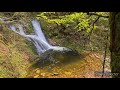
(105, 54)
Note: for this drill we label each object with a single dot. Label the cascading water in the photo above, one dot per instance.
(38, 38)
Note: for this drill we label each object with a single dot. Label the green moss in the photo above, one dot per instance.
(16, 62)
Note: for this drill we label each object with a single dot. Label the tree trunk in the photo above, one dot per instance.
(115, 43)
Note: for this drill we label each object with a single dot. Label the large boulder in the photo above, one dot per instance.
(56, 56)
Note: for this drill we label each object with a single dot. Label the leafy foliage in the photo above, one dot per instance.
(77, 25)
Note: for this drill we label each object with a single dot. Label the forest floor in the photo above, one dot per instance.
(90, 66)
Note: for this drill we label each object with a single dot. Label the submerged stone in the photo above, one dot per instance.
(57, 56)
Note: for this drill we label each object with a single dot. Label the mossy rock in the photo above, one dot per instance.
(55, 57)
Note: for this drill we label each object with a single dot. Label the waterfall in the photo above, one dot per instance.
(38, 39)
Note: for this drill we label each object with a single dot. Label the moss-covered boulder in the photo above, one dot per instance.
(53, 57)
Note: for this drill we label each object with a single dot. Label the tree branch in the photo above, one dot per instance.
(88, 13)
(93, 24)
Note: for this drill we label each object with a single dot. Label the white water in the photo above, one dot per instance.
(38, 38)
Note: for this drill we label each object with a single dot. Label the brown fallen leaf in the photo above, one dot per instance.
(42, 74)
(37, 71)
(68, 73)
(36, 76)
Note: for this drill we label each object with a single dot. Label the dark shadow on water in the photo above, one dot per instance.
(53, 58)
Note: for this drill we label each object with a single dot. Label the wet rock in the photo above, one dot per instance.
(55, 74)
(53, 57)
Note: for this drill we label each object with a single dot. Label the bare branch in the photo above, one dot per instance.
(94, 24)
(88, 13)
